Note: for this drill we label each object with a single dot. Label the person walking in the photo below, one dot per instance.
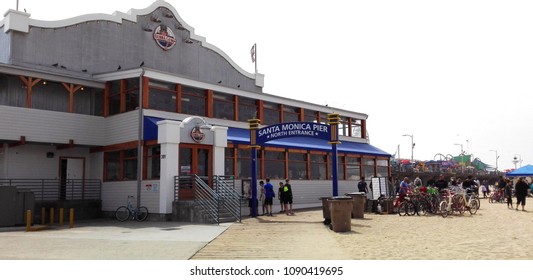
(269, 196)
(287, 198)
(521, 193)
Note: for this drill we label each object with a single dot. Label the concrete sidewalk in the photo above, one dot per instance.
(107, 239)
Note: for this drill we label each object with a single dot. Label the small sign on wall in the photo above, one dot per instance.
(152, 187)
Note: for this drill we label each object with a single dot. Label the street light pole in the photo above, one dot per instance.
(496, 151)
(412, 146)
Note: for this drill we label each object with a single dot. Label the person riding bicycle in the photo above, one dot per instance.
(404, 189)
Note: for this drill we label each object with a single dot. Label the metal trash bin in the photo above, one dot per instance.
(325, 210)
(341, 212)
(359, 201)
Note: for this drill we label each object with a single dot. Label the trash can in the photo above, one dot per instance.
(388, 206)
(341, 212)
(359, 201)
(325, 210)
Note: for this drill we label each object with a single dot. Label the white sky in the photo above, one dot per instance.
(447, 72)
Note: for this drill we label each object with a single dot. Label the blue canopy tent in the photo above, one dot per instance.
(521, 172)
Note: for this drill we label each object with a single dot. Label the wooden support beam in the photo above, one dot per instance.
(22, 141)
(66, 146)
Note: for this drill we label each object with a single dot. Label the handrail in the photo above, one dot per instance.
(208, 199)
(231, 199)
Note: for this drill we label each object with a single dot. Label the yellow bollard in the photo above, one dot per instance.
(71, 217)
(61, 217)
(43, 216)
(51, 216)
(28, 220)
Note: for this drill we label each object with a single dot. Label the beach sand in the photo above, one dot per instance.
(493, 233)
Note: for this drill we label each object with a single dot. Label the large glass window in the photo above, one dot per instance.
(290, 114)
(247, 109)
(50, 96)
(353, 167)
(229, 160)
(114, 97)
(297, 165)
(244, 163)
(310, 116)
(318, 166)
(162, 96)
(193, 101)
(383, 167)
(368, 168)
(274, 164)
(356, 128)
(344, 127)
(121, 165)
(132, 94)
(223, 106)
(271, 113)
(153, 162)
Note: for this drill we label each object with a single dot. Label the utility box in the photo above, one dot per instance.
(8, 197)
(14, 204)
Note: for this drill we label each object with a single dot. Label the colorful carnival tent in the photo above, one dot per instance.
(522, 171)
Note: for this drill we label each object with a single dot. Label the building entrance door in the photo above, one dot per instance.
(71, 174)
(194, 159)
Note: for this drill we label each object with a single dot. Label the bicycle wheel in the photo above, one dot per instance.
(122, 213)
(473, 207)
(410, 208)
(443, 208)
(402, 209)
(141, 213)
(459, 204)
(423, 207)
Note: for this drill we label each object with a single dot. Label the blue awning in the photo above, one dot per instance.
(242, 136)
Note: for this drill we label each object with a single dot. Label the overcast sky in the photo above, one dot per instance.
(450, 73)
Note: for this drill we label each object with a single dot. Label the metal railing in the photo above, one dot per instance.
(57, 189)
(221, 199)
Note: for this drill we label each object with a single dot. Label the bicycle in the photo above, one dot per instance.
(135, 213)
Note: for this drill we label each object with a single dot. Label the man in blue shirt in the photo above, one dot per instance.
(269, 196)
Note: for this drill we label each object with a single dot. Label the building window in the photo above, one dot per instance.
(229, 160)
(310, 116)
(368, 168)
(353, 167)
(318, 166)
(153, 162)
(114, 97)
(132, 94)
(383, 167)
(297, 165)
(51, 96)
(244, 162)
(247, 109)
(344, 127)
(223, 106)
(341, 160)
(356, 128)
(162, 96)
(290, 114)
(271, 113)
(120, 165)
(274, 164)
(193, 101)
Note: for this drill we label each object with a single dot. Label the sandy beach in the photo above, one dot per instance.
(493, 233)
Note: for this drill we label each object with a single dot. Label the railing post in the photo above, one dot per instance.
(60, 216)
(71, 218)
(28, 220)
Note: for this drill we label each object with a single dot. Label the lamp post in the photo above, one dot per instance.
(412, 146)
(496, 151)
(517, 160)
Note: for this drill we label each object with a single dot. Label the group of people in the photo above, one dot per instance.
(520, 191)
(267, 195)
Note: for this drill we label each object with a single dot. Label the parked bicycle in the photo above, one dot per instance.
(135, 213)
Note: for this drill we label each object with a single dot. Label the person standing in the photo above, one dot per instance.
(280, 197)
(508, 189)
(362, 186)
(521, 193)
(287, 198)
(269, 196)
(262, 195)
(441, 183)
